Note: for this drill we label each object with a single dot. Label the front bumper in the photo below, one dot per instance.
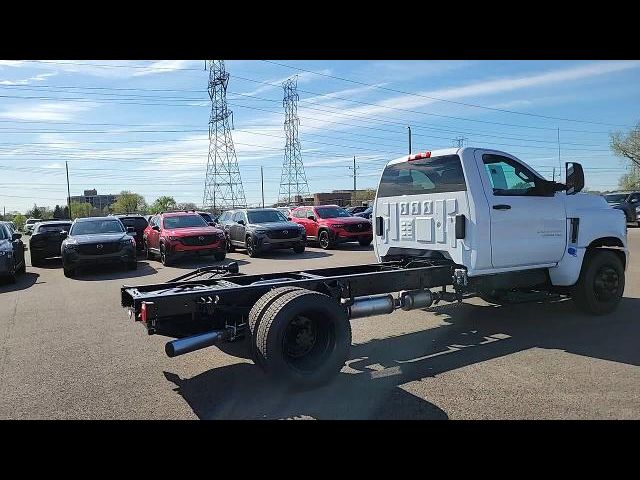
(177, 248)
(341, 236)
(263, 242)
(72, 258)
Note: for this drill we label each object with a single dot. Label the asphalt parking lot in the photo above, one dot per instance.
(69, 351)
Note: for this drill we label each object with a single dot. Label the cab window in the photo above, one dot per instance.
(431, 175)
(510, 178)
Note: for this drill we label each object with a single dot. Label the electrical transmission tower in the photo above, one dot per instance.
(223, 185)
(459, 142)
(293, 181)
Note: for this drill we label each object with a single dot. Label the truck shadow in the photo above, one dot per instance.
(23, 281)
(192, 263)
(370, 386)
(113, 272)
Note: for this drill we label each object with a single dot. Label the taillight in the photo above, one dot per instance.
(418, 156)
(143, 312)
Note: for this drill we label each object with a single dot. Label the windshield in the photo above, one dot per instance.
(32, 221)
(97, 227)
(184, 221)
(616, 197)
(206, 217)
(139, 223)
(266, 216)
(332, 212)
(56, 228)
(3, 233)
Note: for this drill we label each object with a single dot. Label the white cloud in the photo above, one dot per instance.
(303, 77)
(163, 66)
(47, 111)
(26, 81)
(54, 166)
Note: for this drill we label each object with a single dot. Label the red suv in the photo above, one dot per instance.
(330, 225)
(172, 235)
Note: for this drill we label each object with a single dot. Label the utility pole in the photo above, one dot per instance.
(223, 184)
(262, 184)
(66, 164)
(559, 162)
(554, 174)
(355, 173)
(409, 139)
(293, 181)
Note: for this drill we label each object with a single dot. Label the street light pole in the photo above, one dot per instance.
(409, 139)
(66, 164)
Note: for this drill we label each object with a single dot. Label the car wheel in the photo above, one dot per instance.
(165, 257)
(23, 267)
(365, 242)
(132, 265)
(299, 249)
(147, 253)
(69, 272)
(230, 247)
(251, 248)
(325, 240)
(35, 261)
(601, 283)
(219, 256)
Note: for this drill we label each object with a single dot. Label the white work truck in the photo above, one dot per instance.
(448, 224)
(513, 230)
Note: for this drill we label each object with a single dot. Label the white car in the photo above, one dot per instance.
(29, 224)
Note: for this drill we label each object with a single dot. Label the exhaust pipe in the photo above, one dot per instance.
(370, 305)
(196, 342)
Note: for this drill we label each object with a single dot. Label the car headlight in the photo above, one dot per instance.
(638, 209)
(7, 253)
(70, 245)
(261, 231)
(127, 241)
(173, 238)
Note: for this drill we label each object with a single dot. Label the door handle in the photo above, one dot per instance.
(502, 207)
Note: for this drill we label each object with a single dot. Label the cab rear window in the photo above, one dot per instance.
(431, 175)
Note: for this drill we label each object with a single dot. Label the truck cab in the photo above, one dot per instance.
(492, 213)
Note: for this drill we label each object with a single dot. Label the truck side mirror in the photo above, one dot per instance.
(16, 236)
(156, 228)
(575, 177)
(240, 222)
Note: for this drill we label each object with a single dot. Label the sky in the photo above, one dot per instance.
(142, 126)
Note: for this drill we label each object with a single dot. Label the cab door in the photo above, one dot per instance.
(311, 225)
(237, 230)
(528, 223)
(153, 236)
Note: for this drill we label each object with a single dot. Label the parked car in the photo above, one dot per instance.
(98, 240)
(208, 218)
(138, 222)
(285, 210)
(366, 213)
(28, 225)
(330, 224)
(176, 234)
(261, 229)
(628, 202)
(46, 240)
(11, 252)
(358, 209)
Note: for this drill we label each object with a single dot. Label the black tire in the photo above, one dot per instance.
(165, 257)
(304, 339)
(324, 239)
(23, 267)
(12, 276)
(132, 265)
(365, 242)
(230, 247)
(219, 256)
(35, 261)
(601, 283)
(252, 251)
(147, 253)
(69, 272)
(299, 249)
(257, 313)
(497, 297)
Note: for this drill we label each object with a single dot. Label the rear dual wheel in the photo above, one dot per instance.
(300, 337)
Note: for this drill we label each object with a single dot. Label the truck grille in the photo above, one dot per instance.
(99, 248)
(358, 227)
(283, 234)
(200, 240)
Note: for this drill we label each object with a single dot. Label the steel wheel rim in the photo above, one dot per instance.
(307, 341)
(606, 284)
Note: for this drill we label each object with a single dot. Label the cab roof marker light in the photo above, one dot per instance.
(418, 156)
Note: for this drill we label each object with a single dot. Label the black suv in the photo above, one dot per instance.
(98, 240)
(138, 222)
(46, 240)
(628, 202)
(11, 252)
(261, 229)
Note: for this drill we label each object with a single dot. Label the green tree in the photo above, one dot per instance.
(39, 212)
(58, 212)
(363, 196)
(163, 204)
(19, 220)
(80, 209)
(627, 146)
(129, 202)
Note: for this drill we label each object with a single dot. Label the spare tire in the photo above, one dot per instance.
(303, 339)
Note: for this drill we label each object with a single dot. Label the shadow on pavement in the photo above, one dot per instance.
(112, 272)
(191, 263)
(368, 387)
(23, 281)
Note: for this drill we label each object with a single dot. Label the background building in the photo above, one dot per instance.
(96, 201)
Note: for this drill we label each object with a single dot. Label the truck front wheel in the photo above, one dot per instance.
(601, 283)
(303, 339)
